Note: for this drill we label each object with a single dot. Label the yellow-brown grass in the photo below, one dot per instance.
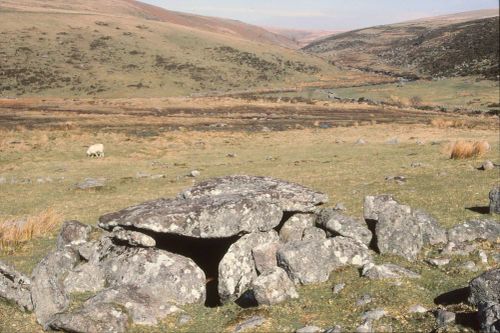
(14, 232)
(446, 123)
(468, 149)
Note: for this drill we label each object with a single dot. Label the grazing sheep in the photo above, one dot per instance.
(96, 150)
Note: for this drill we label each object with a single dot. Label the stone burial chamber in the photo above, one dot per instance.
(244, 239)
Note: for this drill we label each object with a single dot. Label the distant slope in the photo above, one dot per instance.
(150, 12)
(302, 37)
(75, 51)
(453, 45)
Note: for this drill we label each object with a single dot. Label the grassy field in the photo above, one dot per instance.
(324, 159)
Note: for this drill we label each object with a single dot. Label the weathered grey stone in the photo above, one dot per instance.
(237, 268)
(485, 287)
(47, 288)
(152, 271)
(360, 142)
(73, 234)
(417, 309)
(365, 327)
(489, 317)
(469, 266)
(202, 217)
(289, 196)
(487, 165)
(374, 205)
(460, 249)
(364, 300)
(472, 230)
(91, 183)
(15, 287)
(250, 323)
(293, 228)
(311, 261)
(437, 262)
(338, 288)
(144, 307)
(373, 314)
(495, 200)
(184, 319)
(432, 233)
(84, 278)
(100, 317)
(309, 329)
(387, 271)
(273, 287)
(335, 329)
(444, 318)
(194, 173)
(339, 224)
(313, 233)
(264, 256)
(133, 238)
(88, 249)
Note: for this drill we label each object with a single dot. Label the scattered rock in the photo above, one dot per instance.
(472, 230)
(253, 322)
(469, 266)
(360, 142)
(309, 329)
(335, 329)
(495, 200)
(366, 327)
(91, 183)
(15, 287)
(393, 141)
(483, 256)
(338, 288)
(340, 207)
(231, 155)
(364, 300)
(487, 165)
(373, 314)
(417, 309)
(438, 262)
(293, 228)
(461, 249)
(416, 165)
(237, 268)
(444, 318)
(141, 174)
(194, 173)
(273, 287)
(387, 271)
(97, 318)
(184, 319)
(132, 238)
(397, 179)
(339, 224)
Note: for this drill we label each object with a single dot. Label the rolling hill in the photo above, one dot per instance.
(122, 48)
(453, 45)
(302, 37)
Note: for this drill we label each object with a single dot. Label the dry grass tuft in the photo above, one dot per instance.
(467, 149)
(447, 123)
(15, 232)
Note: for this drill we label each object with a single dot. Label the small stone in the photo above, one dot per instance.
(487, 165)
(373, 314)
(387, 271)
(335, 329)
(438, 262)
(444, 318)
(393, 141)
(364, 300)
(417, 309)
(231, 155)
(469, 266)
(416, 165)
(184, 319)
(483, 256)
(141, 174)
(253, 322)
(338, 288)
(340, 207)
(309, 329)
(361, 142)
(159, 176)
(91, 183)
(366, 327)
(194, 173)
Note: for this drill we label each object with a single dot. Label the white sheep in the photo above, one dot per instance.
(96, 150)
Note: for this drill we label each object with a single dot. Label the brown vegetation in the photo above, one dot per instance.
(468, 149)
(14, 232)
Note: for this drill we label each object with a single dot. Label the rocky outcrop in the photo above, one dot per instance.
(339, 224)
(293, 228)
(15, 287)
(485, 294)
(273, 287)
(472, 230)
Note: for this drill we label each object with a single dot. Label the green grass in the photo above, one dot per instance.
(346, 172)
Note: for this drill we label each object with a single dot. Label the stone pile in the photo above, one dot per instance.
(229, 239)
